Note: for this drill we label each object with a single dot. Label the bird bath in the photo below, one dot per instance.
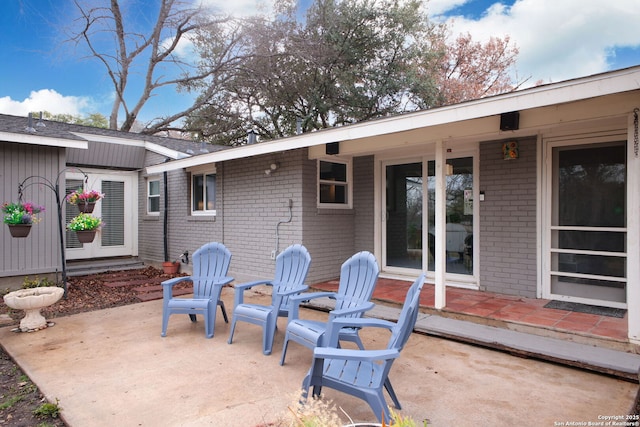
(31, 301)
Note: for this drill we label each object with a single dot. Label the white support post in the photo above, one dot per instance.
(440, 227)
(633, 229)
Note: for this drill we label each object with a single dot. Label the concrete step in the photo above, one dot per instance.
(616, 363)
(88, 267)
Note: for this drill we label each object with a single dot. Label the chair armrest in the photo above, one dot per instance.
(223, 280)
(295, 300)
(355, 354)
(176, 280)
(313, 295)
(249, 285)
(294, 291)
(240, 288)
(219, 280)
(361, 308)
(332, 335)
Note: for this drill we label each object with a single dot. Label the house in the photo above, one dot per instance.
(52, 159)
(534, 193)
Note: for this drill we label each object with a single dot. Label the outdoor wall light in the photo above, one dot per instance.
(510, 150)
(272, 168)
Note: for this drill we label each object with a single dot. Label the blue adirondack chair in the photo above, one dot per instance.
(358, 277)
(210, 267)
(292, 266)
(363, 373)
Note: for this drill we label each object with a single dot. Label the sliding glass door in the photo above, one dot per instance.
(409, 234)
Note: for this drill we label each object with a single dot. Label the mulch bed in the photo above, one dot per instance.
(106, 290)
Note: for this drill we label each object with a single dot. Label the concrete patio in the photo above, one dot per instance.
(111, 367)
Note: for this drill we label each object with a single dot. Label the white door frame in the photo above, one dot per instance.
(549, 143)
(95, 249)
(458, 280)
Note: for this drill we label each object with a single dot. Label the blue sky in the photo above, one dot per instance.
(557, 39)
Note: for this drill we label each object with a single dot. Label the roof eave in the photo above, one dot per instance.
(568, 91)
(42, 140)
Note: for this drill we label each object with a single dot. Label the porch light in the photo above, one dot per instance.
(449, 169)
(510, 150)
(272, 168)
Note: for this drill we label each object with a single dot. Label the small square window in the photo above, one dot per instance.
(153, 197)
(333, 184)
(203, 194)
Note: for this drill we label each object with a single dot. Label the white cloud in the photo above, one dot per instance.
(558, 40)
(46, 100)
(240, 8)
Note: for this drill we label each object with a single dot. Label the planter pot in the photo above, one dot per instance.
(170, 267)
(86, 207)
(31, 301)
(86, 236)
(19, 230)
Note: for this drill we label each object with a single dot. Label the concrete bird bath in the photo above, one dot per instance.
(31, 301)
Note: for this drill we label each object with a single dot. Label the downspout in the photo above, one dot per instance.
(165, 231)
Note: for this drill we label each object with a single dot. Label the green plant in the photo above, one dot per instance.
(37, 282)
(84, 222)
(21, 213)
(83, 196)
(11, 400)
(47, 410)
(319, 412)
(398, 420)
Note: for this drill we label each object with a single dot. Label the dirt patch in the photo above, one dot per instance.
(19, 397)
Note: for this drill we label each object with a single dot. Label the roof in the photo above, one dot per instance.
(58, 134)
(608, 83)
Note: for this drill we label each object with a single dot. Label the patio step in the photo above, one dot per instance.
(604, 360)
(95, 266)
(617, 363)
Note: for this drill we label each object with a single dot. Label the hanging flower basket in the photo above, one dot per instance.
(20, 217)
(84, 199)
(19, 230)
(85, 226)
(86, 236)
(86, 207)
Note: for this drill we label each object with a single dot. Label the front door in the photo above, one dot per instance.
(117, 236)
(586, 234)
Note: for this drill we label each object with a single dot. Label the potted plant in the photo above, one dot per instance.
(20, 217)
(85, 200)
(85, 225)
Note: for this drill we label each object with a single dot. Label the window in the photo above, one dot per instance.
(203, 194)
(333, 184)
(153, 197)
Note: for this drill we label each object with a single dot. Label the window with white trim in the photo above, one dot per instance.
(153, 197)
(334, 184)
(203, 193)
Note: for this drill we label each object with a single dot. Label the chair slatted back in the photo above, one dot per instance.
(408, 316)
(292, 266)
(210, 261)
(358, 277)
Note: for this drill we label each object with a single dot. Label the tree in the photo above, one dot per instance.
(95, 120)
(348, 61)
(126, 49)
(472, 70)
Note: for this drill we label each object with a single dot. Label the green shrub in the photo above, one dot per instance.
(46, 410)
(37, 282)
